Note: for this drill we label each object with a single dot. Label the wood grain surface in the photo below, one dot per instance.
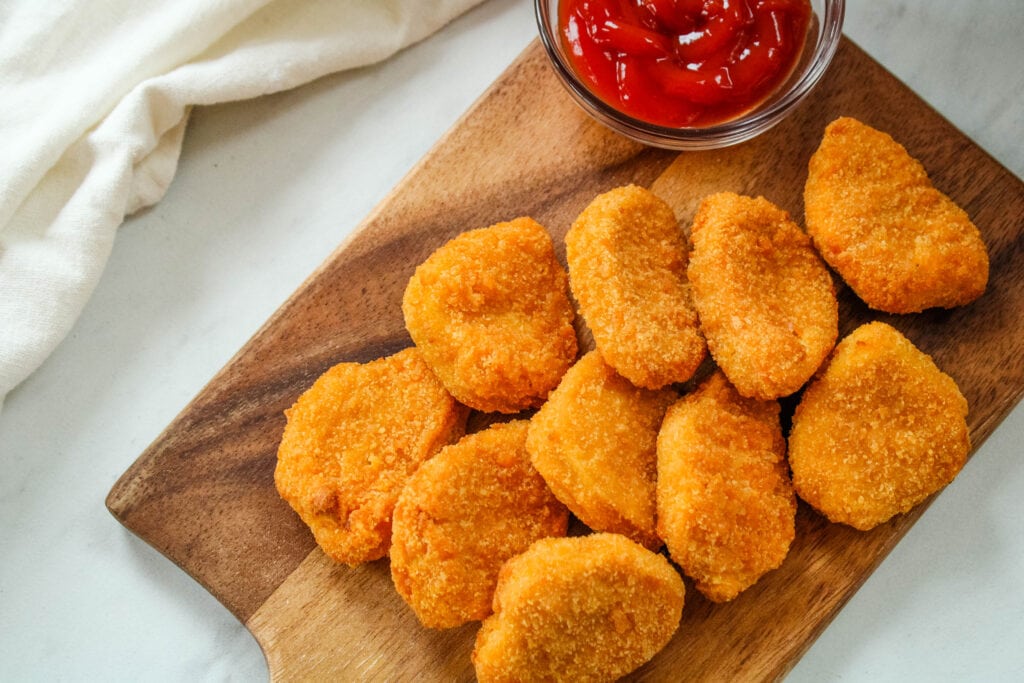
(203, 494)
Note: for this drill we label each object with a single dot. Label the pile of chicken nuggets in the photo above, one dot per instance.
(665, 440)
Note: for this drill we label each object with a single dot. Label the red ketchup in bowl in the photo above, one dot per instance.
(683, 63)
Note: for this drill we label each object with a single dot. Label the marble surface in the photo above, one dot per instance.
(265, 191)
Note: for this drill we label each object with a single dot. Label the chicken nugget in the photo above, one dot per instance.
(461, 515)
(594, 444)
(726, 507)
(880, 430)
(580, 609)
(876, 218)
(351, 441)
(490, 312)
(766, 300)
(627, 269)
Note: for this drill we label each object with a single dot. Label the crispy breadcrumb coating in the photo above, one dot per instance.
(876, 218)
(880, 430)
(580, 609)
(461, 516)
(490, 312)
(627, 268)
(766, 301)
(351, 441)
(594, 444)
(726, 507)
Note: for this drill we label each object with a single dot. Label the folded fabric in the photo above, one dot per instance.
(96, 99)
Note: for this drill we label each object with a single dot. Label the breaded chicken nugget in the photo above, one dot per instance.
(580, 609)
(594, 444)
(766, 301)
(880, 430)
(876, 218)
(726, 507)
(461, 516)
(490, 312)
(350, 443)
(627, 269)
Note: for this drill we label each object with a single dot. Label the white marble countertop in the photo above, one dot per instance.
(265, 191)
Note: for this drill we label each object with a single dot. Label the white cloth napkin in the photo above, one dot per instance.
(94, 100)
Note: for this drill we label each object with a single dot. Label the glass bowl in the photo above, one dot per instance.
(823, 34)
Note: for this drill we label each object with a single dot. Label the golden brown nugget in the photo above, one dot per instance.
(766, 300)
(876, 218)
(594, 444)
(580, 609)
(461, 516)
(726, 508)
(627, 268)
(880, 430)
(350, 444)
(490, 312)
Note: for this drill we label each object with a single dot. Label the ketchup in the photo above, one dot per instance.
(683, 63)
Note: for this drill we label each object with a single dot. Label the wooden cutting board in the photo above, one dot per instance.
(203, 493)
